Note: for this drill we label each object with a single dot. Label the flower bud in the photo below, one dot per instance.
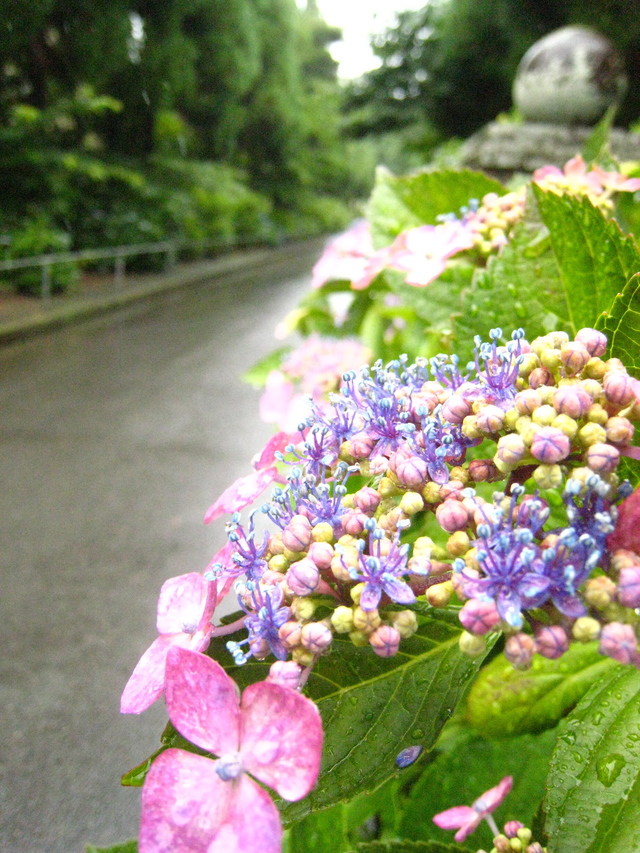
(303, 608)
(322, 554)
(459, 475)
(550, 359)
(501, 844)
(510, 451)
(550, 445)
(524, 834)
(452, 515)
(529, 363)
(536, 847)
(387, 488)
(619, 430)
(303, 657)
(411, 503)
(366, 620)
(385, 641)
(574, 357)
(296, 536)
(540, 376)
(405, 622)
(455, 409)
(316, 637)
(618, 388)
(603, 458)
(422, 547)
(593, 388)
(572, 400)
(322, 532)
(527, 401)
(360, 639)
(412, 472)
(479, 617)
(629, 586)
(279, 563)
(597, 415)
(511, 828)
(470, 427)
(591, 434)
(431, 493)
(544, 415)
(552, 641)
(361, 445)
(519, 650)
(472, 644)
(286, 673)
(289, 633)
(439, 595)
(355, 592)
(458, 543)
(566, 425)
(595, 368)
(593, 341)
(618, 641)
(483, 471)
(490, 419)
(342, 619)
(585, 629)
(353, 522)
(367, 500)
(599, 592)
(303, 577)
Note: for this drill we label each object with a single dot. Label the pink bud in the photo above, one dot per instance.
(540, 376)
(290, 634)
(574, 356)
(571, 400)
(603, 458)
(321, 553)
(367, 500)
(297, 534)
(618, 641)
(527, 401)
(628, 593)
(385, 641)
(490, 419)
(483, 471)
(455, 409)
(519, 650)
(303, 577)
(619, 430)
(479, 617)
(511, 828)
(618, 388)
(316, 637)
(286, 673)
(353, 522)
(593, 341)
(452, 515)
(511, 449)
(452, 489)
(550, 445)
(552, 641)
(361, 445)
(412, 472)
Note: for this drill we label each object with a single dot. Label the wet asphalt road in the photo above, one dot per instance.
(116, 435)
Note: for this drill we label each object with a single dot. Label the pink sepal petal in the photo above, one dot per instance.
(457, 817)
(281, 738)
(146, 683)
(183, 603)
(202, 701)
(492, 798)
(276, 443)
(187, 807)
(241, 493)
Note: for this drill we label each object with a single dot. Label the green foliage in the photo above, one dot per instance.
(593, 788)
(127, 847)
(506, 701)
(621, 325)
(39, 237)
(409, 847)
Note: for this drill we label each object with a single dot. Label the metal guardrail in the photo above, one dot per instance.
(118, 254)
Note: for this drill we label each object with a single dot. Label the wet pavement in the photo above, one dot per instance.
(117, 433)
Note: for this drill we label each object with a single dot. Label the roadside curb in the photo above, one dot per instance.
(55, 314)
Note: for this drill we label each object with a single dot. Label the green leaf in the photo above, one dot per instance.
(257, 375)
(593, 788)
(408, 847)
(595, 149)
(505, 701)
(467, 766)
(595, 259)
(621, 325)
(127, 847)
(322, 832)
(398, 203)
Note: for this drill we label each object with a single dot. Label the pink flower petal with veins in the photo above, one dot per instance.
(276, 443)
(187, 808)
(184, 603)
(280, 738)
(241, 493)
(146, 683)
(202, 701)
(456, 817)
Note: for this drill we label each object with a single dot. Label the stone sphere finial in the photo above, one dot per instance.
(571, 76)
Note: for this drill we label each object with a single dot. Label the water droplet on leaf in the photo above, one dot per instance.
(608, 768)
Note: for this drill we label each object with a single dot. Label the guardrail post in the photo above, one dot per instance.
(118, 276)
(46, 282)
(170, 259)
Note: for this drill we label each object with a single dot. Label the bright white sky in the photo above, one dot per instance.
(359, 19)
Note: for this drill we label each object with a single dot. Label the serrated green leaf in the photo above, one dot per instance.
(621, 324)
(593, 788)
(257, 375)
(595, 259)
(467, 766)
(408, 847)
(398, 203)
(322, 832)
(127, 847)
(595, 149)
(505, 701)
